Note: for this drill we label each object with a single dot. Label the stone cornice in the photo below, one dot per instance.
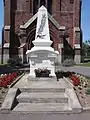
(7, 27)
(76, 29)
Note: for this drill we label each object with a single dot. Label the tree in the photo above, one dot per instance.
(89, 41)
(86, 48)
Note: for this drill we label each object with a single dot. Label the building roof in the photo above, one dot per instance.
(31, 20)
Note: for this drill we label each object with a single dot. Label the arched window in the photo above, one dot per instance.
(42, 2)
(35, 6)
(38, 3)
(49, 6)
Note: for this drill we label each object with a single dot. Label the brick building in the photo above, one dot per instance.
(20, 18)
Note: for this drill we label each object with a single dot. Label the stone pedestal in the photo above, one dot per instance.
(42, 59)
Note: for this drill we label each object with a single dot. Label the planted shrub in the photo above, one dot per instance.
(18, 61)
(59, 74)
(87, 91)
(11, 62)
(68, 62)
(42, 72)
(67, 74)
(15, 61)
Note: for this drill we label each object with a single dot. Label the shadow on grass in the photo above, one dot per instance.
(4, 69)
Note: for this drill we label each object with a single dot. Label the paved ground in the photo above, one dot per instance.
(78, 69)
(82, 116)
(41, 83)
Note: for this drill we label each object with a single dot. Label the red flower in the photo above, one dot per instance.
(3, 79)
(4, 84)
(78, 81)
(75, 80)
(74, 83)
(75, 76)
(9, 79)
(14, 74)
(0, 83)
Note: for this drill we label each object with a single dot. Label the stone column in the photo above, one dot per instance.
(77, 58)
(7, 34)
(6, 43)
(6, 52)
(60, 47)
(77, 46)
(22, 43)
(22, 51)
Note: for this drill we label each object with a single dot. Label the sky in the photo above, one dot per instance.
(85, 19)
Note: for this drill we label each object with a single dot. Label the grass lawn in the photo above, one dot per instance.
(84, 64)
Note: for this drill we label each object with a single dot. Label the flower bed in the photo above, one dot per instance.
(87, 91)
(75, 80)
(7, 79)
(42, 72)
(83, 80)
(72, 75)
(61, 74)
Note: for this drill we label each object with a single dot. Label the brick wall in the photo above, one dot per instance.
(66, 13)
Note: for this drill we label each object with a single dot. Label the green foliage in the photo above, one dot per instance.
(16, 61)
(68, 62)
(42, 72)
(87, 91)
(11, 61)
(86, 48)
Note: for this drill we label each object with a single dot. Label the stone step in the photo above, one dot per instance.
(60, 90)
(42, 78)
(42, 108)
(42, 97)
